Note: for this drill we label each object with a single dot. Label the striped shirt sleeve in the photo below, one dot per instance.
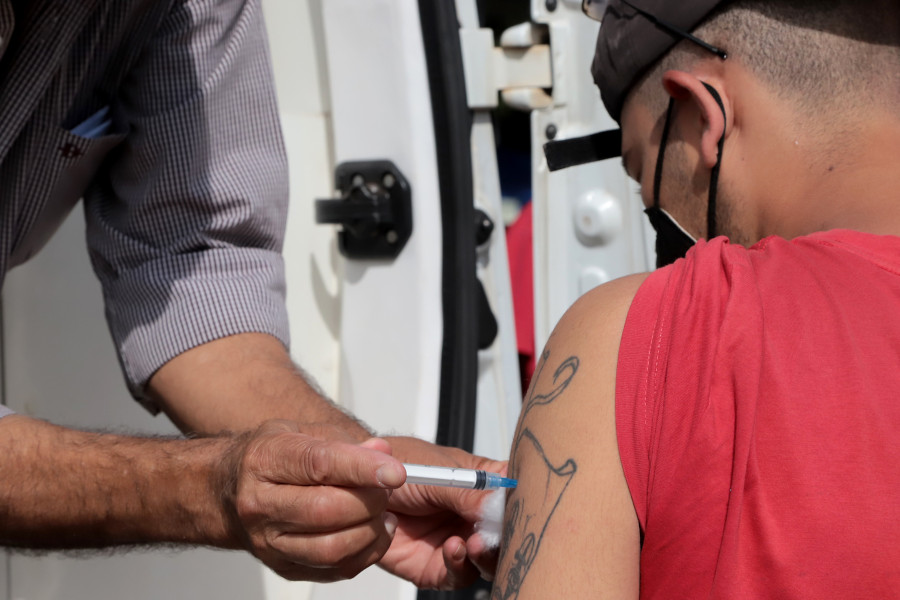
(186, 221)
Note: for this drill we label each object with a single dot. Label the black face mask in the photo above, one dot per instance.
(672, 241)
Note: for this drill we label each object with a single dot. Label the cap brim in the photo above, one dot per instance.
(572, 152)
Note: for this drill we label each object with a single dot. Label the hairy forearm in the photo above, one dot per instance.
(63, 488)
(236, 383)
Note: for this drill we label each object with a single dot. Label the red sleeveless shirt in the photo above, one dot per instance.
(758, 420)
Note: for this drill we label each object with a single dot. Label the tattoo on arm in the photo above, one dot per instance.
(568, 368)
(527, 521)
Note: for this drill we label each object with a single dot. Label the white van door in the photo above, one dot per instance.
(380, 100)
(423, 85)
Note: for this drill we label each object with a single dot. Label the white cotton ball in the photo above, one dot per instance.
(491, 524)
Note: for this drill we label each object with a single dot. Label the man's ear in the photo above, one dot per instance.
(686, 87)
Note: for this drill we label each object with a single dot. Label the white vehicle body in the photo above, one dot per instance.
(354, 84)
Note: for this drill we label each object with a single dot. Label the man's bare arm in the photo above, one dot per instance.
(310, 508)
(570, 528)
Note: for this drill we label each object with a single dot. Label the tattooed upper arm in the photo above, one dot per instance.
(570, 528)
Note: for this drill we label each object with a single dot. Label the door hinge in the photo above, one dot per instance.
(519, 69)
(374, 210)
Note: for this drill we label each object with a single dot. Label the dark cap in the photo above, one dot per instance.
(629, 43)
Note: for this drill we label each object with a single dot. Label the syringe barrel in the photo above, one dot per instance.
(444, 476)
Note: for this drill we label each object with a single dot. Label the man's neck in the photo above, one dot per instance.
(853, 185)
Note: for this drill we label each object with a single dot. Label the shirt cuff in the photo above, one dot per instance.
(5, 411)
(168, 306)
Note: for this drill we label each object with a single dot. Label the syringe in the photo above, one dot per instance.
(459, 478)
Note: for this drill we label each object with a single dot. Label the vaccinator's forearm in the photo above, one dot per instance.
(238, 382)
(63, 488)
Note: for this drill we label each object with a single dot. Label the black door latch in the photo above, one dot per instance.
(374, 210)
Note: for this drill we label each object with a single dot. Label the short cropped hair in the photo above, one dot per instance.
(821, 54)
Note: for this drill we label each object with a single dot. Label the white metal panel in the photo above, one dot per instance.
(391, 311)
(391, 318)
(173, 576)
(588, 224)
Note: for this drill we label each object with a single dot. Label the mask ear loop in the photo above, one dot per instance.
(657, 175)
(714, 175)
